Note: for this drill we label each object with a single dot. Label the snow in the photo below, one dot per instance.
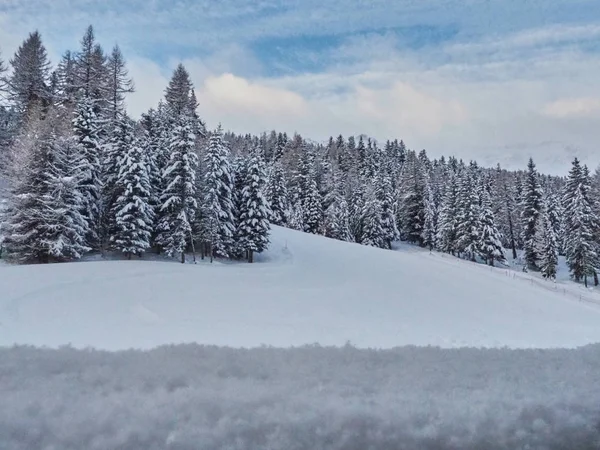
(191, 397)
(305, 289)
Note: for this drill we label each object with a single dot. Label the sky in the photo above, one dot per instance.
(494, 80)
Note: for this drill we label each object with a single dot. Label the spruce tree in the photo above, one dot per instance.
(28, 86)
(277, 196)
(490, 239)
(384, 193)
(179, 91)
(67, 228)
(254, 227)
(178, 199)
(446, 238)
(530, 216)
(468, 220)
(413, 205)
(312, 208)
(132, 210)
(430, 223)
(87, 128)
(373, 232)
(549, 250)
(66, 92)
(580, 224)
(121, 140)
(43, 222)
(218, 205)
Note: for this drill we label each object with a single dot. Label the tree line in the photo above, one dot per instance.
(84, 176)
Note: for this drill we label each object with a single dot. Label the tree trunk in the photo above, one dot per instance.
(183, 257)
(129, 256)
(595, 278)
(202, 250)
(250, 256)
(585, 280)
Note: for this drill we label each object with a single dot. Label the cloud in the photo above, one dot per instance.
(573, 107)
(229, 94)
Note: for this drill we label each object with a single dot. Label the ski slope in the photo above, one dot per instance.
(306, 289)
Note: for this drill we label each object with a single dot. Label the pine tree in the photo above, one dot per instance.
(413, 204)
(218, 205)
(90, 74)
(468, 226)
(118, 82)
(356, 207)
(490, 239)
(240, 174)
(179, 91)
(66, 92)
(86, 128)
(580, 224)
(373, 231)
(384, 193)
(549, 250)
(66, 226)
(43, 222)
(121, 141)
(277, 196)
(178, 199)
(28, 85)
(132, 210)
(254, 227)
(312, 208)
(446, 238)
(430, 224)
(530, 217)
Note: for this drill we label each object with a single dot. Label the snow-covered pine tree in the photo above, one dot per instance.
(312, 208)
(43, 221)
(277, 196)
(469, 226)
(554, 213)
(254, 227)
(29, 80)
(133, 213)
(373, 234)
(490, 239)
(412, 208)
(121, 140)
(178, 199)
(430, 231)
(384, 193)
(86, 127)
(448, 217)
(530, 216)
(218, 206)
(152, 145)
(240, 173)
(356, 207)
(580, 223)
(66, 93)
(178, 92)
(549, 248)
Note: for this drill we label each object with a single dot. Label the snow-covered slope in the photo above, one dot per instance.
(305, 289)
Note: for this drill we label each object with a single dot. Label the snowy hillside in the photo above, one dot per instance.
(305, 289)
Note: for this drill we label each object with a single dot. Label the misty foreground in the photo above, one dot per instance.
(195, 397)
